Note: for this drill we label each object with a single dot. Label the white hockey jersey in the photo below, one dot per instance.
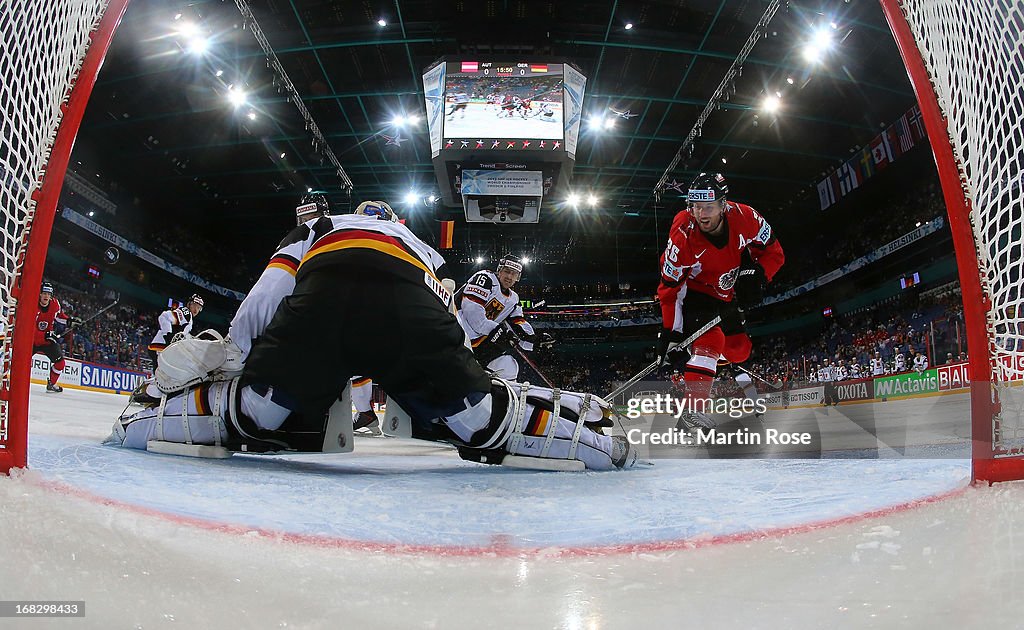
(318, 241)
(900, 362)
(171, 322)
(484, 306)
(877, 366)
(920, 362)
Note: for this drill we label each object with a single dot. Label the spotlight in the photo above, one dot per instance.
(609, 123)
(479, 260)
(218, 73)
(177, 16)
(771, 104)
(432, 199)
(382, 22)
(724, 161)
(412, 119)
(411, 197)
(526, 260)
(283, 154)
(251, 115)
(188, 29)
(237, 97)
(629, 26)
(91, 213)
(573, 199)
(399, 120)
(789, 80)
(309, 189)
(592, 200)
(198, 45)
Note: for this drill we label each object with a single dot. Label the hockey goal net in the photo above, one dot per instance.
(50, 53)
(965, 60)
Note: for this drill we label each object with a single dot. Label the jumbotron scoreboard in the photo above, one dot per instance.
(503, 133)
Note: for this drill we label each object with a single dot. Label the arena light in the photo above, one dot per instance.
(188, 29)
(573, 200)
(432, 199)
(526, 260)
(771, 104)
(283, 154)
(382, 22)
(820, 42)
(251, 115)
(237, 96)
(411, 197)
(609, 123)
(596, 122)
(479, 260)
(309, 189)
(629, 26)
(198, 45)
(592, 200)
(399, 120)
(218, 73)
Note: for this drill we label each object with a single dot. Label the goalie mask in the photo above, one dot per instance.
(377, 210)
(311, 205)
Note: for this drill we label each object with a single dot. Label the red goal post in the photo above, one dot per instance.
(965, 63)
(50, 54)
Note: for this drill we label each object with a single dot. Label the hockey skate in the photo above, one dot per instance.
(53, 387)
(694, 419)
(366, 420)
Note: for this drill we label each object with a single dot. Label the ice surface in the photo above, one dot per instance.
(399, 534)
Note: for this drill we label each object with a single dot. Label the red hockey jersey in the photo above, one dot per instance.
(45, 319)
(693, 261)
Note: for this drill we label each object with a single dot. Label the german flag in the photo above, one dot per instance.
(447, 232)
(538, 67)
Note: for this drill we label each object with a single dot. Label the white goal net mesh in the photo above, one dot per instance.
(974, 53)
(42, 46)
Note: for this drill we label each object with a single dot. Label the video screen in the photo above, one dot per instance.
(489, 100)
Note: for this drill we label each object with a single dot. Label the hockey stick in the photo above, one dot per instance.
(533, 365)
(657, 362)
(752, 375)
(94, 316)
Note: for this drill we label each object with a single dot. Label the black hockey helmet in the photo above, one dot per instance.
(312, 205)
(512, 262)
(46, 288)
(708, 187)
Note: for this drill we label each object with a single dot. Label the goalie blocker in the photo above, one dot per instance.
(414, 349)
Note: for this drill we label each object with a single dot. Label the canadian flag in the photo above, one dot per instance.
(881, 152)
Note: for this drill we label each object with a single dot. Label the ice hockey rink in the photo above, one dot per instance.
(403, 534)
(482, 121)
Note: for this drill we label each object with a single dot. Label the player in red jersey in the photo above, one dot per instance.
(50, 323)
(709, 244)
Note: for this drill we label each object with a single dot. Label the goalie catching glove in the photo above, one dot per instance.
(190, 360)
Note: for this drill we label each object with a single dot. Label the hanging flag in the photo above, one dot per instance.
(881, 152)
(447, 232)
(826, 194)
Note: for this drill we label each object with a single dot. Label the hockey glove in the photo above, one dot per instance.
(74, 322)
(53, 337)
(750, 286)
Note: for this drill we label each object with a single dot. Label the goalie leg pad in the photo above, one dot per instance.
(195, 416)
(545, 424)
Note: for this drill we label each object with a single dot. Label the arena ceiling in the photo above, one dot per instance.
(159, 126)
